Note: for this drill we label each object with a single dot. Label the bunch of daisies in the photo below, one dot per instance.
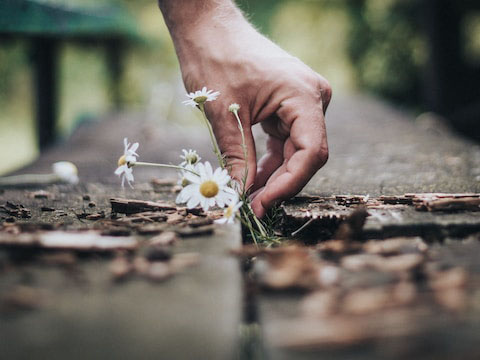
(202, 184)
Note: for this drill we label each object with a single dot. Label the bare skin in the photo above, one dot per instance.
(218, 48)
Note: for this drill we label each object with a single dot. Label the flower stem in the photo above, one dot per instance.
(141, 163)
(244, 148)
(216, 149)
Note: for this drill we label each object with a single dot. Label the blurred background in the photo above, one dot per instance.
(111, 55)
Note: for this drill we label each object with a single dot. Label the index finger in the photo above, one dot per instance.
(305, 151)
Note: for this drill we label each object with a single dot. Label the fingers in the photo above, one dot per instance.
(304, 152)
(269, 162)
(229, 140)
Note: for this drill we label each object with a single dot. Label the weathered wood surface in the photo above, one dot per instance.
(378, 152)
(67, 304)
(375, 151)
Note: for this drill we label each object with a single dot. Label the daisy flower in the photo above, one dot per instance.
(200, 97)
(126, 161)
(208, 189)
(182, 179)
(230, 212)
(189, 157)
(66, 171)
(234, 107)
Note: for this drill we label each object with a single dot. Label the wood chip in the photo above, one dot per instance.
(352, 227)
(289, 267)
(151, 229)
(96, 216)
(85, 241)
(156, 253)
(130, 206)
(175, 218)
(158, 271)
(454, 299)
(120, 268)
(62, 258)
(165, 239)
(320, 304)
(454, 204)
(41, 194)
(24, 298)
(184, 260)
(198, 231)
(445, 280)
(395, 246)
(398, 263)
(393, 200)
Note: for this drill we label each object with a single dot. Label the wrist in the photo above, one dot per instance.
(194, 24)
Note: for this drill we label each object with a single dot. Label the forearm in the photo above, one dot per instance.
(188, 19)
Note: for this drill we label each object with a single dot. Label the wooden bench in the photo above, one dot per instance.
(46, 26)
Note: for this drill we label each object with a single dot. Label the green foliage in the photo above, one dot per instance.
(386, 47)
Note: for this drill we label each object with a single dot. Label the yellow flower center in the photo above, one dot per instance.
(185, 182)
(209, 189)
(122, 160)
(200, 99)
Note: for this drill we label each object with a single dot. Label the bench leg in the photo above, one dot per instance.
(45, 59)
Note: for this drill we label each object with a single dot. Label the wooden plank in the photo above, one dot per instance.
(378, 153)
(76, 309)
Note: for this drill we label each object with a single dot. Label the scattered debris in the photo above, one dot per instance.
(41, 194)
(289, 267)
(61, 258)
(165, 239)
(120, 268)
(130, 206)
(23, 297)
(196, 231)
(395, 246)
(16, 210)
(351, 227)
(81, 241)
(453, 204)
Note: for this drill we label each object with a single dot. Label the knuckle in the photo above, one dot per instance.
(325, 90)
(320, 156)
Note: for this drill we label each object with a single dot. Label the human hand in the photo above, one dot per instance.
(272, 88)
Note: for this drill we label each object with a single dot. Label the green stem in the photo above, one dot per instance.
(141, 163)
(248, 224)
(216, 149)
(244, 148)
(257, 221)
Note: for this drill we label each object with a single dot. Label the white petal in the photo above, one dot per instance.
(193, 201)
(211, 202)
(208, 170)
(220, 201)
(120, 170)
(222, 220)
(201, 171)
(204, 204)
(134, 148)
(192, 177)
